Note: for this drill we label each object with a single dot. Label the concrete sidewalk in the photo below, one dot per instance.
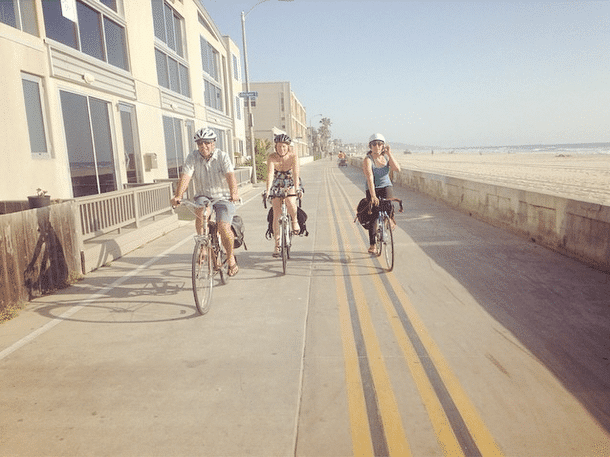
(122, 364)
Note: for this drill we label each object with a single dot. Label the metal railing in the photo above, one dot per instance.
(103, 213)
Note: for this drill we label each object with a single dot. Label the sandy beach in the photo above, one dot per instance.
(580, 177)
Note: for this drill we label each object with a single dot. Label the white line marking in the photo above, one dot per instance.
(70, 312)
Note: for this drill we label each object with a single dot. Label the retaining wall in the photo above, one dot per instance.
(578, 229)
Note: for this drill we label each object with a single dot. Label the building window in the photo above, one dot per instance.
(212, 96)
(32, 94)
(172, 129)
(172, 72)
(89, 143)
(168, 26)
(20, 14)
(235, 68)
(94, 34)
(238, 108)
(210, 59)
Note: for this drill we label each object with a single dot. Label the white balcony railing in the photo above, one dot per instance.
(103, 213)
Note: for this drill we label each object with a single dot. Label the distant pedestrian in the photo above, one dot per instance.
(377, 165)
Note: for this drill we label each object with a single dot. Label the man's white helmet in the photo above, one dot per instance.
(205, 134)
(376, 137)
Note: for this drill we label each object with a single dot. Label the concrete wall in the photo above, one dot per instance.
(578, 229)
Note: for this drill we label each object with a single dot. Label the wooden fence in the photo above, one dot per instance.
(39, 252)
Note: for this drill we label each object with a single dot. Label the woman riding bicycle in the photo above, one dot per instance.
(282, 173)
(376, 167)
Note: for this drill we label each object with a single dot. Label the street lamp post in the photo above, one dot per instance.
(249, 101)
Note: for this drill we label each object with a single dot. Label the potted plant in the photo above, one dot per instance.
(40, 199)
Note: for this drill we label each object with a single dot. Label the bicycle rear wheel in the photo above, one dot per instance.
(388, 243)
(203, 276)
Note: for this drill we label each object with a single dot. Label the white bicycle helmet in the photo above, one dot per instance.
(376, 137)
(205, 134)
(282, 138)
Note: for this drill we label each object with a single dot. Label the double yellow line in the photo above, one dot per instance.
(375, 418)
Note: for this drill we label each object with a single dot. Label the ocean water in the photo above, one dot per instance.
(566, 149)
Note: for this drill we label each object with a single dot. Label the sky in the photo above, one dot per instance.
(437, 73)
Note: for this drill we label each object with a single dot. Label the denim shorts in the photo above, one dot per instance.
(225, 210)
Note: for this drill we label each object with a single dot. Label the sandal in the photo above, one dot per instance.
(233, 270)
(372, 250)
(296, 229)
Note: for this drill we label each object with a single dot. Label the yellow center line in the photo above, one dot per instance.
(479, 431)
(447, 439)
(388, 407)
(361, 438)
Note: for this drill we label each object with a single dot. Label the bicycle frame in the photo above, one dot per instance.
(208, 258)
(383, 235)
(284, 225)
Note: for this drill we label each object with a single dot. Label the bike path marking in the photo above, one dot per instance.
(456, 422)
(92, 298)
(364, 362)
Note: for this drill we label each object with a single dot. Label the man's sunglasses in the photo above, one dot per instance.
(205, 141)
(376, 143)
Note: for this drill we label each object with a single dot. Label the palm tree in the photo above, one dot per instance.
(324, 132)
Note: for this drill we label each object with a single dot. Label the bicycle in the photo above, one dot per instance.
(285, 224)
(209, 258)
(384, 236)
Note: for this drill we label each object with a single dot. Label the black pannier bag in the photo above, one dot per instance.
(301, 218)
(239, 230)
(366, 214)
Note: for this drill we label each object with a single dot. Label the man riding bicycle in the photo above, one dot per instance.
(210, 168)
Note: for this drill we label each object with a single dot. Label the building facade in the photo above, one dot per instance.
(101, 94)
(278, 110)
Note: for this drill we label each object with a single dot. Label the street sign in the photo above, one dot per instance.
(252, 94)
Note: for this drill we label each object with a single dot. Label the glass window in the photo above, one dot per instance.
(110, 4)
(91, 156)
(235, 68)
(57, 26)
(102, 141)
(169, 27)
(174, 79)
(116, 45)
(99, 36)
(34, 115)
(158, 19)
(90, 31)
(8, 13)
(162, 75)
(237, 108)
(209, 58)
(172, 129)
(184, 81)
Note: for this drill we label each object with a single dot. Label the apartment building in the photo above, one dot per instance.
(278, 110)
(100, 94)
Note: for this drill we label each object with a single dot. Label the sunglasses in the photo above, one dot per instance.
(205, 142)
(376, 143)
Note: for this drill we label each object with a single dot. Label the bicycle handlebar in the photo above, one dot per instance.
(284, 195)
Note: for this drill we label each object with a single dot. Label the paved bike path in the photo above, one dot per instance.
(122, 364)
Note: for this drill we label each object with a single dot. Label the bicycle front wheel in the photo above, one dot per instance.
(203, 276)
(284, 245)
(388, 243)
